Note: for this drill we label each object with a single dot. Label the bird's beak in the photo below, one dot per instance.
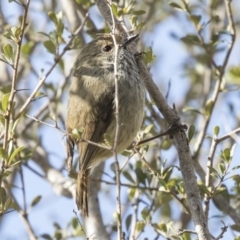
(130, 39)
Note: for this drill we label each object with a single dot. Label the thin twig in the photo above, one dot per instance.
(25, 219)
(117, 168)
(65, 133)
(228, 135)
(208, 176)
(224, 229)
(134, 217)
(9, 114)
(28, 226)
(23, 191)
(126, 185)
(181, 232)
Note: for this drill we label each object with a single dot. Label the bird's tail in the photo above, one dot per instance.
(82, 192)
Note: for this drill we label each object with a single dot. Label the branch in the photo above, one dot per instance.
(9, 113)
(117, 168)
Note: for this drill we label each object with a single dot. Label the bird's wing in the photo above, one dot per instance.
(94, 130)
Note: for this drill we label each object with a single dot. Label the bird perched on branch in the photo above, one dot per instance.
(92, 105)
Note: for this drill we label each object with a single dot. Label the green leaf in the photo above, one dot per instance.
(60, 28)
(208, 108)
(166, 144)
(191, 109)
(222, 167)
(5, 101)
(163, 227)
(16, 32)
(235, 71)
(3, 196)
(175, 5)
(235, 227)
(131, 193)
(8, 53)
(226, 154)
(145, 214)
(216, 130)
(15, 163)
(58, 235)
(128, 176)
(167, 173)
(27, 48)
(196, 19)
(191, 131)
(140, 226)
(191, 39)
(148, 129)
(160, 228)
(128, 221)
(57, 226)
(214, 172)
(59, 16)
(140, 175)
(61, 65)
(14, 125)
(140, 25)
(74, 223)
(53, 17)
(36, 200)
(148, 57)
(133, 20)
(236, 167)
(39, 95)
(234, 74)
(6, 174)
(114, 9)
(107, 140)
(44, 34)
(3, 154)
(203, 189)
(116, 216)
(8, 203)
(138, 12)
(49, 45)
(16, 151)
(126, 153)
(46, 236)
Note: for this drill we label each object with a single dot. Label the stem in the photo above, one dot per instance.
(117, 168)
(9, 112)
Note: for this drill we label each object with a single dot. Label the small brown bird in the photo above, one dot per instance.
(91, 105)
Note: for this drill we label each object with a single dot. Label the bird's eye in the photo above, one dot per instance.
(107, 48)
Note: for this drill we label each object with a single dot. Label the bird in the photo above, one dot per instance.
(92, 105)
